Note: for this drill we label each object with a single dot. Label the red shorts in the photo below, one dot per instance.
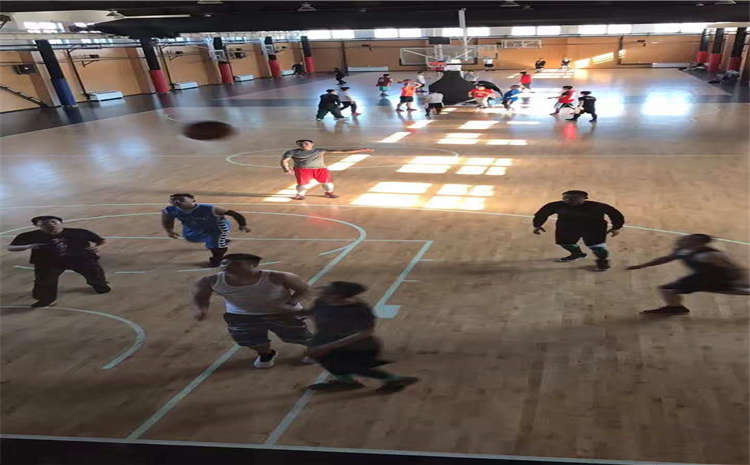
(305, 175)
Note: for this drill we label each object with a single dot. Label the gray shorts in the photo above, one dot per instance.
(251, 330)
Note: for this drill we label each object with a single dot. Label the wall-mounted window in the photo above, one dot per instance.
(548, 30)
(390, 33)
(451, 32)
(342, 34)
(410, 32)
(523, 31)
(667, 28)
(592, 29)
(692, 28)
(320, 34)
(617, 29)
(43, 26)
(478, 31)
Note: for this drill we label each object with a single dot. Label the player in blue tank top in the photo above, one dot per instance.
(201, 222)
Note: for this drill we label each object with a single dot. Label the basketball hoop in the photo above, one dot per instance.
(436, 65)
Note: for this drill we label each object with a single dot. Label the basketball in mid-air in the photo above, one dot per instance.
(208, 130)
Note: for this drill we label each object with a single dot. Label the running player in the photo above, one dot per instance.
(257, 301)
(54, 249)
(329, 102)
(481, 95)
(713, 271)
(201, 222)
(579, 218)
(344, 343)
(525, 80)
(564, 100)
(586, 104)
(310, 167)
(384, 83)
(539, 65)
(433, 102)
(510, 97)
(347, 101)
(407, 95)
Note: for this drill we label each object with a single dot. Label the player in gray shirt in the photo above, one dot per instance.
(310, 168)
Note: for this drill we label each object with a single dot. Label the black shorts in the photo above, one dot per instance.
(406, 99)
(571, 234)
(434, 105)
(697, 282)
(251, 330)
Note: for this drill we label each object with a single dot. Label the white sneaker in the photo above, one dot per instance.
(308, 360)
(258, 363)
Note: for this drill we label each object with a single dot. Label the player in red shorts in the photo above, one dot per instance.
(310, 167)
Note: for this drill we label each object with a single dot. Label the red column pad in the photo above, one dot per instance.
(734, 63)
(226, 73)
(159, 80)
(275, 69)
(713, 62)
(701, 56)
(309, 65)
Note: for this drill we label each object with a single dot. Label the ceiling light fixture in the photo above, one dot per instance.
(509, 4)
(306, 7)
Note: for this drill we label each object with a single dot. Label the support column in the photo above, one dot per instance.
(307, 54)
(62, 89)
(735, 59)
(716, 49)
(154, 68)
(702, 55)
(273, 63)
(227, 77)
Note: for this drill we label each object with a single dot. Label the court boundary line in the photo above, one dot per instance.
(344, 450)
(174, 400)
(140, 334)
(474, 212)
(381, 310)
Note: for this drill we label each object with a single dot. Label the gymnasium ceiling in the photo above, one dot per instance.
(227, 16)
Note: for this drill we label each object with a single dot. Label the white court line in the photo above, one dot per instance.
(171, 403)
(307, 205)
(294, 412)
(382, 309)
(342, 450)
(140, 334)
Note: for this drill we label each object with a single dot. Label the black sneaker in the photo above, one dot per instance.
(571, 257)
(213, 262)
(265, 361)
(667, 310)
(396, 385)
(336, 385)
(102, 289)
(602, 264)
(43, 303)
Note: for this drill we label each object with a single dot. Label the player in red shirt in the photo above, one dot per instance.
(481, 94)
(565, 99)
(525, 80)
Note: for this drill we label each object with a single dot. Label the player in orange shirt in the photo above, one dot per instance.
(407, 94)
(481, 95)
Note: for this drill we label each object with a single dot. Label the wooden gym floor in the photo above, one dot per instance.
(517, 354)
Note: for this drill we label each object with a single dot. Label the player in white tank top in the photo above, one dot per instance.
(257, 301)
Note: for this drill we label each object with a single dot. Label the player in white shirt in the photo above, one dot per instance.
(433, 101)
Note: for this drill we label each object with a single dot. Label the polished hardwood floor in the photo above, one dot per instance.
(517, 354)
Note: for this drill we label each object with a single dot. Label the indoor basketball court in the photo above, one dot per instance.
(518, 356)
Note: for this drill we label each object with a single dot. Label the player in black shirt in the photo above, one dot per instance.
(579, 218)
(586, 104)
(712, 272)
(55, 249)
(329, 102)
(344, 343)
(539, 65)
